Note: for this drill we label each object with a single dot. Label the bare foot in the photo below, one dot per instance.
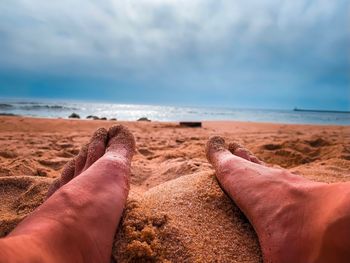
(78, 221)
(118, 141)
(296, 220)
(88, 154)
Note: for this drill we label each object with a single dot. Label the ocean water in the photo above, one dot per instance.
(131, 112)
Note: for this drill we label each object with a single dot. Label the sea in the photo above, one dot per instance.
(132, 112)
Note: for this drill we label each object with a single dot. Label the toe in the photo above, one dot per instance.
(240, 151)
(97, 147)
(120, 139)
(66, 175)
(243, 153)
(80, 160)
(53, 187)
(214, 144)
(233, 146)
(256, 160)
(68, 172)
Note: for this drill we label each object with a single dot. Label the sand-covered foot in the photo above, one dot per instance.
(117, 142)
(217, 144)
(296, 220)
(240, 151)
(88, 154)
(78, 222)
(121, 143)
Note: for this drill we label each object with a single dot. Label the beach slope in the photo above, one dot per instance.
(176, 211)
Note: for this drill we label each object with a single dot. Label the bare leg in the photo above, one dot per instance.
(296, 220)
(78, 222)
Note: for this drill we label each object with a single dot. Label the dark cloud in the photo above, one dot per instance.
(264, 52)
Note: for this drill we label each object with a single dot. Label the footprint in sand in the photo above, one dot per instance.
(8, 154)
(65, 145)
(22, 167)
(4, 172)
(55, 163)
(145, 152)
(346, 157)
(74, 151)
(272, 147)
(319, 142)
(180, 141)
(45, 147)
(19, 196)
(288, 154)
(65, 154)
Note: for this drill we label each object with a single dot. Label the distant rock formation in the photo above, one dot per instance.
(192, 124)
(74, 116)
(7, 114)
(143, 119)
(93, 117)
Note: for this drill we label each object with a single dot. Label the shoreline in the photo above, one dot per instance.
(174, 122)
(321, 111)
(132, 112)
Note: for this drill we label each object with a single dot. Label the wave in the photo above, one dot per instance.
(27, 102)
(51, 107)
(5, 106)
(34, 106)
(58, 109)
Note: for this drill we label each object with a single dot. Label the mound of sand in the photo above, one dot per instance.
(188, 219)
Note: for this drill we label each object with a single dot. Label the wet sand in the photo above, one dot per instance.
(176, 211)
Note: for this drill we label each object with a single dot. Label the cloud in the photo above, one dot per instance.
(198, 44)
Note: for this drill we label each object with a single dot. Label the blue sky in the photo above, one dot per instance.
(250, 54)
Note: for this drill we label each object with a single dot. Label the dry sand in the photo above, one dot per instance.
(176, 211)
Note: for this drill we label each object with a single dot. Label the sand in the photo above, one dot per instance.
(176, 212)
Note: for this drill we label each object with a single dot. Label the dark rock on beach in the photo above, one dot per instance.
(96, 118)
(143, 119)
(93, 117)
(74, 116)
(192, 124)
(7, 114)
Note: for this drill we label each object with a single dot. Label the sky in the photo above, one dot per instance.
(275, 54)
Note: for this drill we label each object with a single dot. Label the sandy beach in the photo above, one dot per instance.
(176, 211)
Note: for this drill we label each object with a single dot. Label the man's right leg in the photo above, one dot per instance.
(296, 220)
